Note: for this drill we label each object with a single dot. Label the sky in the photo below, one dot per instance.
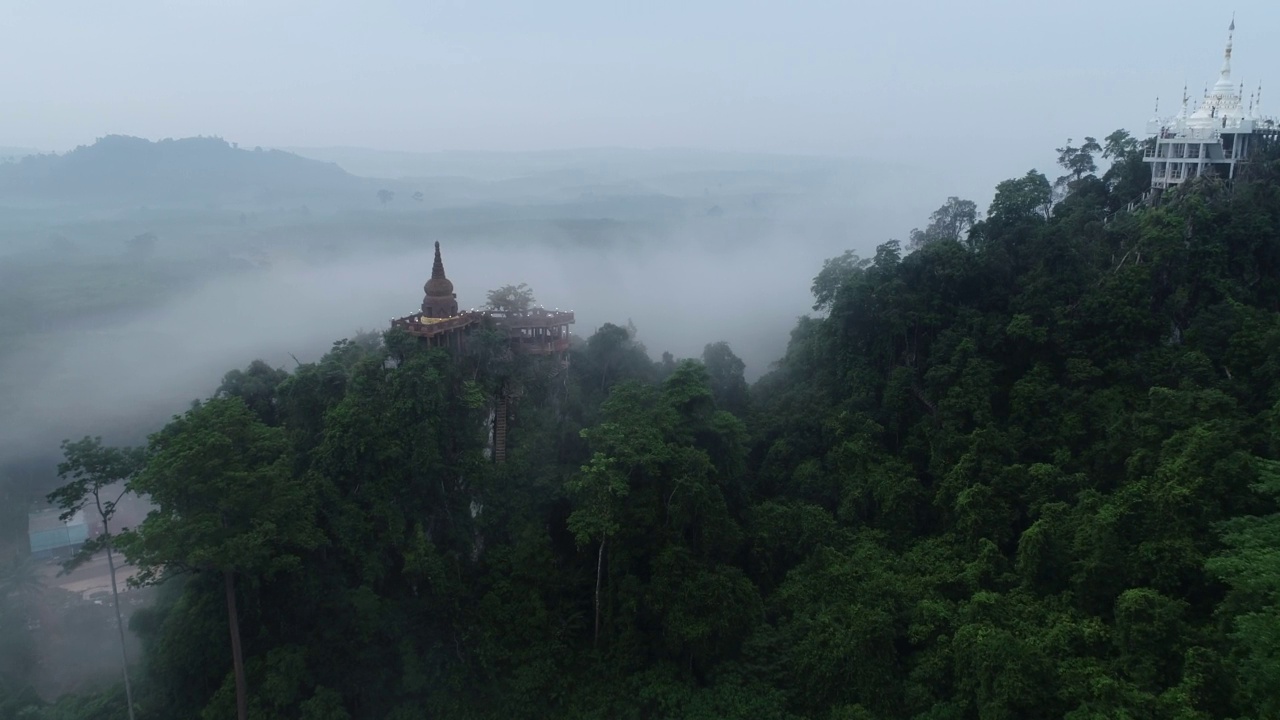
(987, 88)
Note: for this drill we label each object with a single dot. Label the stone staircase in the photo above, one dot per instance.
(500, 431)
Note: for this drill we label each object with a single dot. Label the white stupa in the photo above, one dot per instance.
(1215, 137)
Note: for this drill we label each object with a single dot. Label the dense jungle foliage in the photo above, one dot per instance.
(1027, 470)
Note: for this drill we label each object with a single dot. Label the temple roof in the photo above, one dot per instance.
(1223, 109)
(1223, 100)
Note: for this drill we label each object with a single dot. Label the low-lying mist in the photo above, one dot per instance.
(123, 380)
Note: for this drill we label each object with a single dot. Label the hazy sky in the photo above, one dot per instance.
(928, 81)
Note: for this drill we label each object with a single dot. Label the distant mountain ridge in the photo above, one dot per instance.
(188, 170)
(608, 164)
(13, 153)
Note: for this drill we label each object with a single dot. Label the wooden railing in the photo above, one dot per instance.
(555, 339)
(430, 329)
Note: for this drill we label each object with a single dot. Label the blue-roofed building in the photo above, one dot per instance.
(51, 536)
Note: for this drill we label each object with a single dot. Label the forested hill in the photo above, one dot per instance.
(194, 171)
(1027, 470)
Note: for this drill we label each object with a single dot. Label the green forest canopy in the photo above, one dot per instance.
(1028, 470)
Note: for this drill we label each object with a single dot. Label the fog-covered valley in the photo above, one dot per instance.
(679, 296)
(134, 275)
(109, 332)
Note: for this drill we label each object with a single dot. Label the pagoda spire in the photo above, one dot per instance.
(440, 300)
(1226, 56)
(437, 267)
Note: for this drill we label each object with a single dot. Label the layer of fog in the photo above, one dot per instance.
(743, 279)
(120, 381)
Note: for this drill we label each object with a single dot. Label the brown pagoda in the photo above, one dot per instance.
(536, 331)
(440, 301)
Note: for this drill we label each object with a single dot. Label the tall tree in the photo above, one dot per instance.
(92, 472)
(950, 222)
(598, 488)
(628, 443)
(1129, 177)
(1028, 196)
(612, 352)
(225, 503)
(257, 386)
(511, 298)
(1118, 144)
(1077, 161)
(835, 273)
(725, 373)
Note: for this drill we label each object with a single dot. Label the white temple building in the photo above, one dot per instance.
(1212, 139)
